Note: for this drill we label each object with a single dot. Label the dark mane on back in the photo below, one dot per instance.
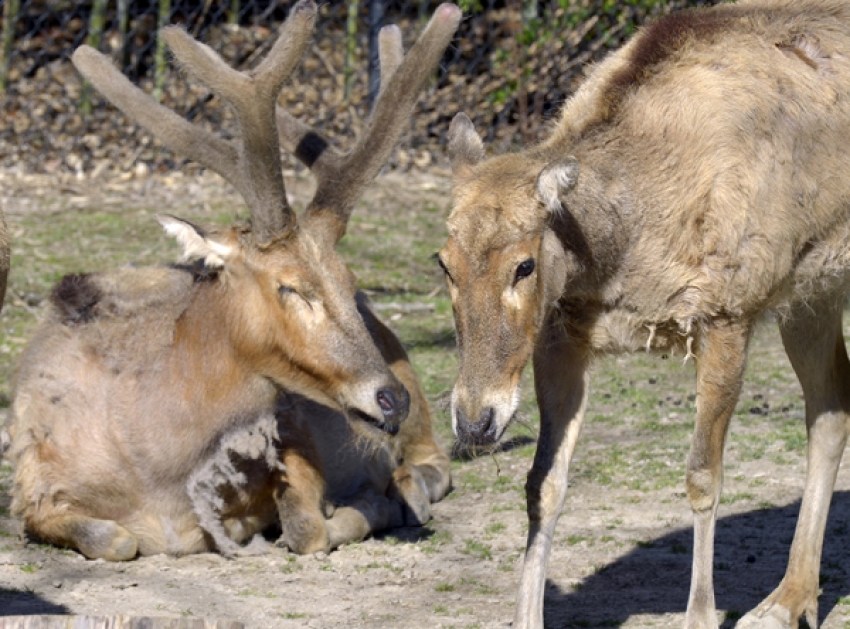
(662, 39)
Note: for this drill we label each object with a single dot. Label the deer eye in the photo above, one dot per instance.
(524, 269)
(445, 270)
(284, 290)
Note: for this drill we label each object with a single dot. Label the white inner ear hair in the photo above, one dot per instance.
(195, 246)
(552, 181)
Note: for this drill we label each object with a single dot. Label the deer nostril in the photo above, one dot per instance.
(484, 423)
(387, 401)
(394, 404)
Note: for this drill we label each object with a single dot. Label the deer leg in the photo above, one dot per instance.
(815, 345)
(418, 448)
(366, 515)
(300, 501)
(720, 363)
(94, 538)
(560, 370)
(410, 488)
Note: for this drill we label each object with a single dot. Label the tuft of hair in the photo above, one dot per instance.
(196, 242)
(76, 298)
(555, 179)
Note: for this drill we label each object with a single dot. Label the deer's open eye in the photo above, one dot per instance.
(524, 269)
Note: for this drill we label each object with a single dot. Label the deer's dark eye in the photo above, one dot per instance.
(524, 269)
(445, 270)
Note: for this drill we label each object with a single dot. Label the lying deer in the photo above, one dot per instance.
(185, 409)
(695, 181)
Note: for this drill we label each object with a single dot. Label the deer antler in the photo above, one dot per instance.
(252, 166)
(342, 177)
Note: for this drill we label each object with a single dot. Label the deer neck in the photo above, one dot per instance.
(204, 363)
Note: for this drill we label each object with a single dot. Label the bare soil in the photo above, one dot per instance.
(623, 547)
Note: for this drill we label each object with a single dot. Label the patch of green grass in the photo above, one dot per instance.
(444, 587)
(477, 549)
(495, 527)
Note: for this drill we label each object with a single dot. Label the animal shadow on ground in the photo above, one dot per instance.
(751, 552)
(18, 603)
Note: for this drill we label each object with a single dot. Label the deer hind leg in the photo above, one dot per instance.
(720, 362)
(560, 378)
(815, 345)
(94, 538)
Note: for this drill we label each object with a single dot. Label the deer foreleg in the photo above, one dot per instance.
(720, 362)
(560, 369)
(369, 514)
(814, 343)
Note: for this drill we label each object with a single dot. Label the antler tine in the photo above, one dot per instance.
(309, 146)
(252, 168)
(341, 178)
(390, 53)
(253, 95)
(177, 133)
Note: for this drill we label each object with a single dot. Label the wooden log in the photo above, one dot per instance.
(113, 622)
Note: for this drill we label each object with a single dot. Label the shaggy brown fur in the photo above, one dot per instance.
(692, 184)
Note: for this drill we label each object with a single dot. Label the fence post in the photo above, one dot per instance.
(160, 60)
(96, 21)
(350, 47)
(10, 20)
(377, 11)
(233, 13)
(123, 31)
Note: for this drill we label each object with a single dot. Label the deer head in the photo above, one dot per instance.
(288, 301)
(505, 269)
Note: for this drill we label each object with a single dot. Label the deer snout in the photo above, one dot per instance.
(482, 431)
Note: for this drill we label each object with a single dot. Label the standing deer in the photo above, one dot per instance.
(695, 181)
(173, 409)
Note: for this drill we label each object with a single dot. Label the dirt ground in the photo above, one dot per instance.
(622, 551)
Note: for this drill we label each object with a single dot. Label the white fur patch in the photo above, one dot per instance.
(195, 246)
(555, 179)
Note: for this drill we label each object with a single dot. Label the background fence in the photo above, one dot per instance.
(510, 66)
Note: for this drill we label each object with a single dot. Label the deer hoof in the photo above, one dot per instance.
(411, 490)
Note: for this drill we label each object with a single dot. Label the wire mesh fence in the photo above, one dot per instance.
(510, 66)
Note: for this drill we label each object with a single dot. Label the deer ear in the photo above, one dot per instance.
(465, 147)
(196, 242)
(554, 180)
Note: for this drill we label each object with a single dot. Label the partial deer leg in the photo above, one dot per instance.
(300, 501)
(814, 343)
(410, 489)
(418, 447)
(720, 363)
(94, 538)
(369, 513)
(560, 369)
